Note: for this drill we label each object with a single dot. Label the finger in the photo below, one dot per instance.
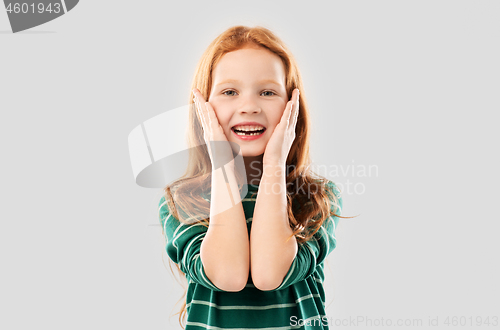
(200, 97)
(296, 110)
(200, 100)
(289, 115)
(296, 117)
(202, 119)
(293, 110)
(209, 118)
(195, 106)
(284, 116)
(201, 113)
(212, 117)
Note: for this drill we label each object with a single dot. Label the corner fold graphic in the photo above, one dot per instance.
(70, 4)
(28, 13)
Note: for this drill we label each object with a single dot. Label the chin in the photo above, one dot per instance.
(257, 154)
(252, 153)
(248, 151)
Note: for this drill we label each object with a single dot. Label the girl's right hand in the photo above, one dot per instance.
(218, 146)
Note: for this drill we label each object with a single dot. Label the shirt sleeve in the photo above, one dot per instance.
(313, 252)
(183, 242)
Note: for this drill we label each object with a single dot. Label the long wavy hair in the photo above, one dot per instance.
(306, 212)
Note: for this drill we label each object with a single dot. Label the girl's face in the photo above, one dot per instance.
(248, 85)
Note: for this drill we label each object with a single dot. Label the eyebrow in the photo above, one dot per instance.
(234, 81)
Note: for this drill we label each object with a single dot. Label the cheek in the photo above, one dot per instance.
(223, 117)
(278, 114)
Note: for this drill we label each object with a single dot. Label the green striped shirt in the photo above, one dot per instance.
(298, 303)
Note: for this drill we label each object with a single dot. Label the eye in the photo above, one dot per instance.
(273, 93)
(229, 90)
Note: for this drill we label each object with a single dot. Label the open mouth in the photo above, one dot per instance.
(248, 132)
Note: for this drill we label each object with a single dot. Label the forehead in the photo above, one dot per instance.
(249, 65)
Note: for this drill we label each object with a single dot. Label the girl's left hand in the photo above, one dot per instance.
(281, 140)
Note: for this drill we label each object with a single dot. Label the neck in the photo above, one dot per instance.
(253, 168)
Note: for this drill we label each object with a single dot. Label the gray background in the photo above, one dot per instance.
(408, 86)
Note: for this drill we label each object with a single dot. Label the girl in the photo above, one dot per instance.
(256, 262)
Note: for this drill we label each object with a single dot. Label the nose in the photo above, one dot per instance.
(249, 104)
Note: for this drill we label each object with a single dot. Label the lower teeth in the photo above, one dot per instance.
(248, 134)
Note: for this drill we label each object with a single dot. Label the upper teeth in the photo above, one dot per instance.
(248, 128)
